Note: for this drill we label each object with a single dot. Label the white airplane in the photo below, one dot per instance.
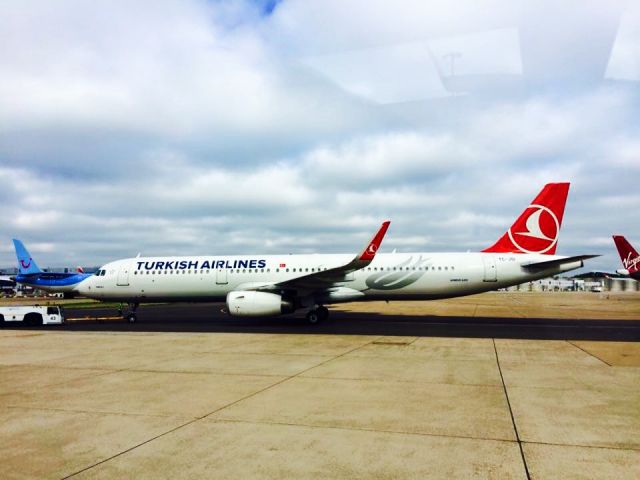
(266, 285)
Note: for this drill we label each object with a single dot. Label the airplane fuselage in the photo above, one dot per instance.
(389, 276)
(53, 282)
(264, 285)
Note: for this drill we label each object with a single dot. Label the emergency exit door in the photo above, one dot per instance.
(123, 276)
(490, 271)
(221, 276)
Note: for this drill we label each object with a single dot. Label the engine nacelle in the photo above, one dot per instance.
(622, 271)
(257, 304)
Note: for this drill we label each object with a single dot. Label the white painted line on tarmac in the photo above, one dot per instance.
(92, 318)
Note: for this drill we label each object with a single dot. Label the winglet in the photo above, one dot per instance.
(337, 274)
(26, 264)
(372, 247)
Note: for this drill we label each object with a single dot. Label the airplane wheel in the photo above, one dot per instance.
(313, 317)
(131, 318)
(323, 312)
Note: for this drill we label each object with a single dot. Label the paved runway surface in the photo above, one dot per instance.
(188, 392)
(209, 318)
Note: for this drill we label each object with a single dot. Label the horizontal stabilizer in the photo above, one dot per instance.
(536, 266)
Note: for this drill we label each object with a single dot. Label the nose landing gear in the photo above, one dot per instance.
(130, 316)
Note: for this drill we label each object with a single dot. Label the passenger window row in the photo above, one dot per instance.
(382, 269)
(268, 270)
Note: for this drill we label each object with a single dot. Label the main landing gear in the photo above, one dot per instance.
(318, 314)
(130, 316)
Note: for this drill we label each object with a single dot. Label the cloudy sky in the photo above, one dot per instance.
(220, 127)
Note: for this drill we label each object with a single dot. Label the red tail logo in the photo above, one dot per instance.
(537, 229)
(539, 233)
(628, 255)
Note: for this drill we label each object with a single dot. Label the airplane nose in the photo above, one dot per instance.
(84, 287)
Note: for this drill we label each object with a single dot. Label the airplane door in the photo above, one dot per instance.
(123, 276)
(221, 276)
(490, 272)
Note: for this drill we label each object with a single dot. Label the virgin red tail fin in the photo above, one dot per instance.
(537, 229)
(628, 255)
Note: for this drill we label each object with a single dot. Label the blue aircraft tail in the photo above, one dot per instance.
(26, 264)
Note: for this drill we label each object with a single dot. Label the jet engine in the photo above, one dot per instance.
(622, 271)
(257, 304)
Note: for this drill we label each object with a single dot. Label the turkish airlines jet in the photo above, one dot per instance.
(263, 285)
(629, 256)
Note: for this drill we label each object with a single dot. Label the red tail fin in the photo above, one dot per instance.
(628, 255)
(537, 229)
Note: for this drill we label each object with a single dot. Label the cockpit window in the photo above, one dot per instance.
(100, 273)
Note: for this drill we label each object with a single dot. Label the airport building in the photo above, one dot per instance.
(580, 284)
(7, 286)
(611, 282)
(559, 285)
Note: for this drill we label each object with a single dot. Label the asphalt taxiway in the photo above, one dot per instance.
(188, 392)
(211, 318)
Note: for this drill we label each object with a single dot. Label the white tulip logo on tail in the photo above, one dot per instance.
(631, 264)
(539, 233)
(536, 230)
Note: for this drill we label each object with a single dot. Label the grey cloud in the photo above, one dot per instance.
(197, 127)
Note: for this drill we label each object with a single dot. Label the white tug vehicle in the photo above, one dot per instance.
(31, 315)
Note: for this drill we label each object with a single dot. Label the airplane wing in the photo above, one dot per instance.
(326, 278)
(536, 266)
